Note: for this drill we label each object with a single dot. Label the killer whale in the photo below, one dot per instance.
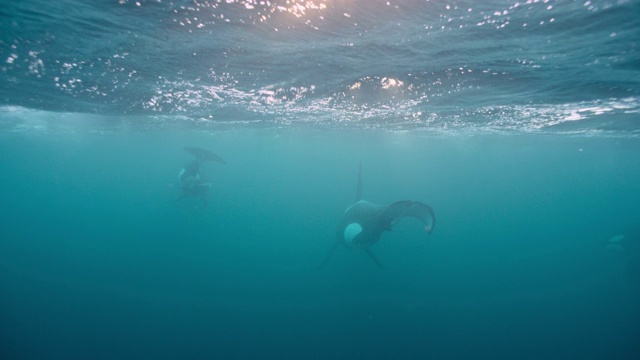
(192, 168)
(627, 245)
(189, 176)
(364, 222)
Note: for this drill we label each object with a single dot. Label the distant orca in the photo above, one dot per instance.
(189, 176)
(617, 243)
(364, 222)
(192, 168)
(628, 245)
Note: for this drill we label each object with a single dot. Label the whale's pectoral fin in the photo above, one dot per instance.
(373, 257)
(414, 209)
(202, 155)
(424, 213)
(329, 254)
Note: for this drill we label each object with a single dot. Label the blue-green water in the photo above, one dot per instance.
(516, 122)
(100, 261)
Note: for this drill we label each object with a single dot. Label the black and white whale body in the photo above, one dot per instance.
(190, 182)
(364, 222)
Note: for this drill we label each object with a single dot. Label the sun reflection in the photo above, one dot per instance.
(388, 83)
(297, 8)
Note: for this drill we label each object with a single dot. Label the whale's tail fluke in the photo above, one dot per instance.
(204, 155)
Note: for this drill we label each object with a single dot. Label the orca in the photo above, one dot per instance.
(364, 222)
(189, 176)
(192, 168)
(617, 243)
(628, 245)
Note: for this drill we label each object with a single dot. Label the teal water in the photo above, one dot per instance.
(99, 260)
(517, 122)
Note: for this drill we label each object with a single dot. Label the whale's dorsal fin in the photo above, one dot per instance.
(359, 189)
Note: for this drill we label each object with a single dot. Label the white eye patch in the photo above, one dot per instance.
(351, 231)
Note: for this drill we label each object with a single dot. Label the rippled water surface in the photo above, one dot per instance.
(525, 66)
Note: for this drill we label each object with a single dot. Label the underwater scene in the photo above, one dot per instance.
(320, 179)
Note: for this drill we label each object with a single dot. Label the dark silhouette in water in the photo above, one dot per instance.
(191, 184)
(628, 244)
(364, 222)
